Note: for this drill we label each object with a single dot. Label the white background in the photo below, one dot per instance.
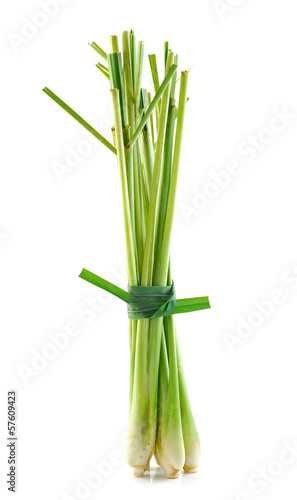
(238, 247)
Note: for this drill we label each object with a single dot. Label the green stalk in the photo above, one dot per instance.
(190, 435)
(139, 66)
(166, 49)
(131, 257)
(147, 136)
(147, 273)
(138, 194)
(162, 264)
(132, 44)
(104, 71)
(138, 208)
(116, 72)
(114, 43)
(98, 49)
(165, 181)
(173, 84)
(132, 274)
(80, 120)
(155, 76)
(151, 120)
(116, 81)
(170, 444)
(129, 99)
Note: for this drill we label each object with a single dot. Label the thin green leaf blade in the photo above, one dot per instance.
(79, 119)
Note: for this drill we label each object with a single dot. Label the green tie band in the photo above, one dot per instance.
(148, 301)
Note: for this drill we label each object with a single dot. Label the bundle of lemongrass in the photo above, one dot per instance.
(147, 136)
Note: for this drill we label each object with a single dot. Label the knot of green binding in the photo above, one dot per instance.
(148, 301)
(151, 301)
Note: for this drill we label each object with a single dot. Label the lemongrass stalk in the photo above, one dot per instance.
(162, 264)
(145, 197)
(165, 180)
(156, 82)
(139, 66)
(131, 257)
(114, 43)
(98, 49)
(132, 348)
(128, 116)
(148, 138)
(132, 44)
(141, 430)
(146, 170)
(103, 70)
(170, 445)
(147, 274)
(130, 110)
(166, 49)
(190, 434)
(104, 67)
(128, 79)
(80, 120)
(173, 84)
(138, 208)
(138, 194)
(131, 266)
(116, 81)
(151, 120)
(129, 96)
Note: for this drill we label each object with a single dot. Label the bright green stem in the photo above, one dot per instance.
(148, 260)
(130, 111)
(132, 346)
(114, 61)
(98, 50)
(162, 264)
(132, 44)
(138, 208)
(190, 434)
(103, 70)
(147, 143)
(127, 70)
(132, 273)
(170, 444)
(173, 84)
(156, 82)
(114, 43)
(151, 119)
(79, 119)
(165, 181)
(139, 66)
(166, 49)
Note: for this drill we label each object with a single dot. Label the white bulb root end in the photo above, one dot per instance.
(138, 472)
